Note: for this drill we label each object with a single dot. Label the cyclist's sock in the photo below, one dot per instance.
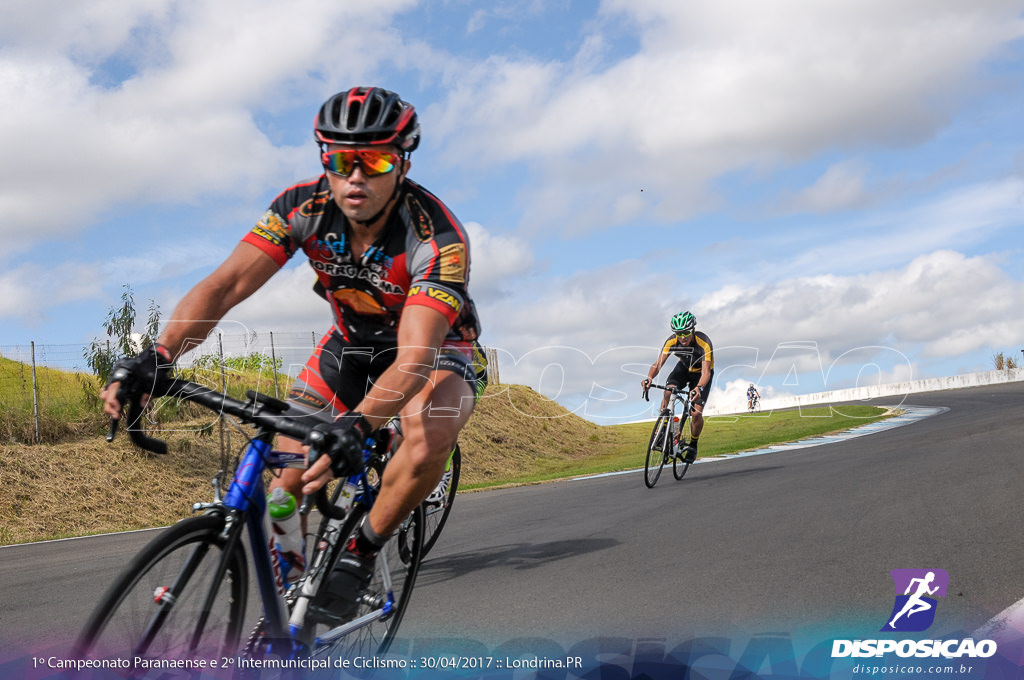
(368, 541)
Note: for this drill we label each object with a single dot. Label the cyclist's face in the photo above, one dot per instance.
(361, 196)
(685, 339)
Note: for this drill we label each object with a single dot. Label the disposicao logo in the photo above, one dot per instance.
(914, 611)
(916, 590)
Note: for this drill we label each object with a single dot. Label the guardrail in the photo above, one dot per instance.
(899, 389)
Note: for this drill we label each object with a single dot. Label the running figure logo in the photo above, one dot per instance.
(914, 609)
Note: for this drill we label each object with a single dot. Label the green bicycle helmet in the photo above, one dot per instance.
(683, 322)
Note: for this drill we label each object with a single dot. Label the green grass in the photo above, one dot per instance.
(623, 447)
(68, 403)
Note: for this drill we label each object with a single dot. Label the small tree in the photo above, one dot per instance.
(120, 325)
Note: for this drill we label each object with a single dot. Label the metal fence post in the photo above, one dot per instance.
(273, 361)
(224, 434)
(493, 376)
(35, 393)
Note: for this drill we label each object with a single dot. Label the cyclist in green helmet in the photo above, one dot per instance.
(696, 369)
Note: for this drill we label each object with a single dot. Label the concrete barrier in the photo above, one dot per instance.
(900, 389)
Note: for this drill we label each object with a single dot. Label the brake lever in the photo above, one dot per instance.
(120, 375)
(113, 429)
(316, 440)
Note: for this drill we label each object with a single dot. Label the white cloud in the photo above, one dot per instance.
(841, 187)
(497, 260)
(20, 286)
(716, 87)
(180, 124)
(962, 219)
(598, 331)
(286, 303)
(933, 297)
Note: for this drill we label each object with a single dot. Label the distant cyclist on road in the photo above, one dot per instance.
(696, 369)
(752, 397)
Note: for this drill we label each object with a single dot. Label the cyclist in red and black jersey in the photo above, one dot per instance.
(393, 262)
(696, 369)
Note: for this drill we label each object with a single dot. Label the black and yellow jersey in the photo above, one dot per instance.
(693, 354)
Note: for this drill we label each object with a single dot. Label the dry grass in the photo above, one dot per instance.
(515, 431)
(87, 486)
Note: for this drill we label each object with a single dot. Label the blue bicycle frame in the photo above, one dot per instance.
(246, 497)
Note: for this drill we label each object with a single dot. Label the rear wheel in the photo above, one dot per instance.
(439, 504)
(182, 597)
(657, 450)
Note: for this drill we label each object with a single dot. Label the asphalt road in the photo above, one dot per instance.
(799, 542)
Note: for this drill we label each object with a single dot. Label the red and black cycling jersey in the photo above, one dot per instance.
(693, 354)
(421, 258)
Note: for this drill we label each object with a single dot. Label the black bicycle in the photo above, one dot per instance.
(667, 439)
(184, 596)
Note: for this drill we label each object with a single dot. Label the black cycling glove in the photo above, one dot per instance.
(144, 374)
(343, 441)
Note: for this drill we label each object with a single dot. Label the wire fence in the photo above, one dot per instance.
(42, 379)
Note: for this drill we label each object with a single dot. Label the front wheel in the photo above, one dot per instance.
(182, 597)
(658, 450)
(439, 503)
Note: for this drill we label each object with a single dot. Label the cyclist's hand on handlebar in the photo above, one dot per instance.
(135, 375)
(646, 384)
(342, 441)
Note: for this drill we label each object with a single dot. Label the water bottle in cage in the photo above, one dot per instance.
(287, 527)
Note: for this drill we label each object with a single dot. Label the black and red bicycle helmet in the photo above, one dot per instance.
(368, 115)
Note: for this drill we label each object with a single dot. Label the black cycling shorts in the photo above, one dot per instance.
(681, 375)
(339, 374)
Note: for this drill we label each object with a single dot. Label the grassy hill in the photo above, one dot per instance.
(82, 485)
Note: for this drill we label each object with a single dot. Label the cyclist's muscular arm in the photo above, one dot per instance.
(245, 270)
(705, 374)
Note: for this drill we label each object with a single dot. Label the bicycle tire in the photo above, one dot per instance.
(435, 515)
(184, 559)
(679, 466)
(401, 555)
(656, 458)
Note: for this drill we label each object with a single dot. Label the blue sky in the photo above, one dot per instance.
(834, 189)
